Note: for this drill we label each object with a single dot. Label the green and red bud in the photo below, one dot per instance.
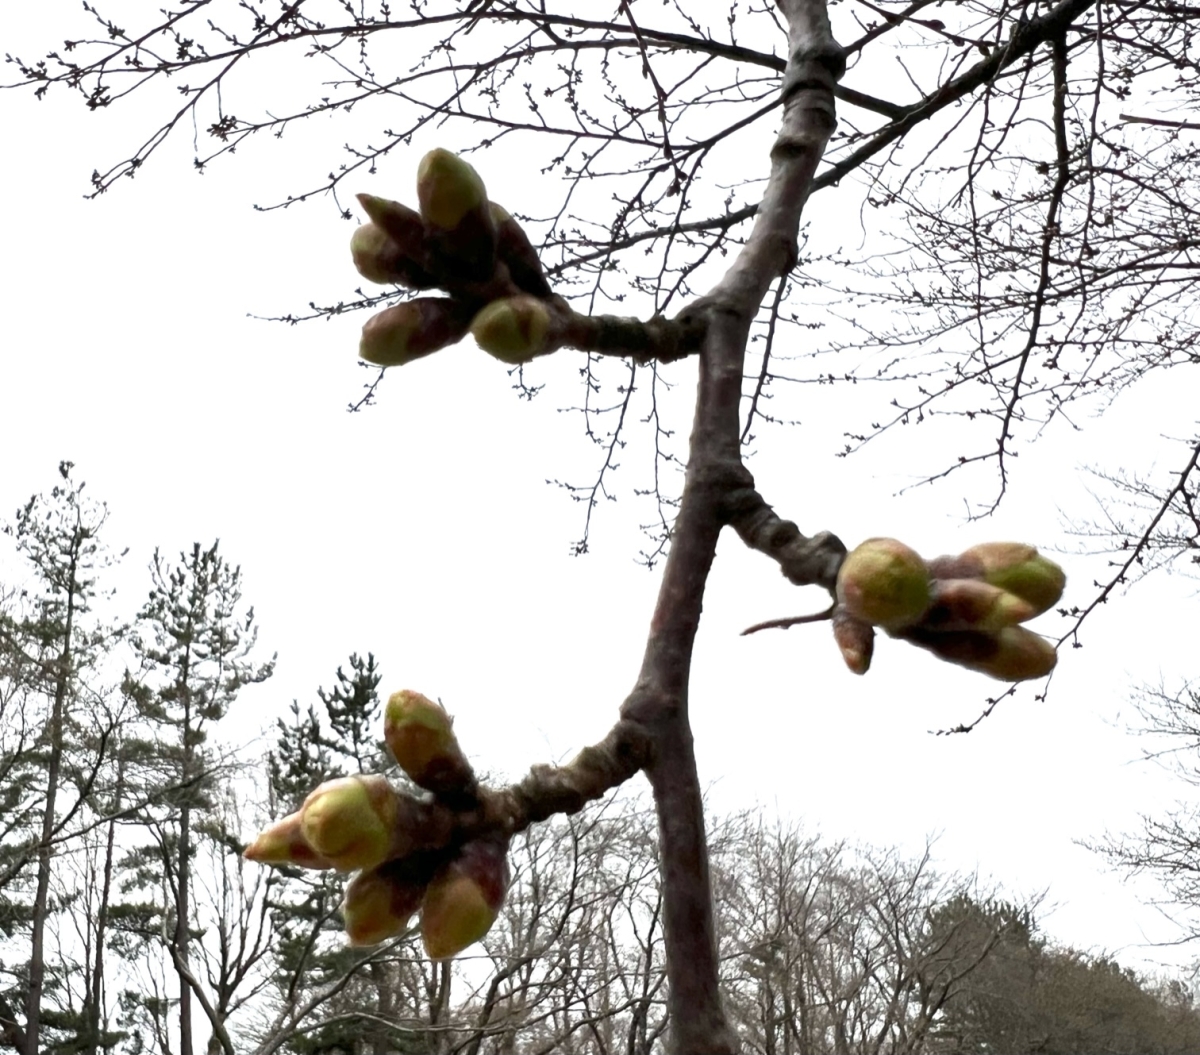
(408, 331)
(460, 230)
(1010, 654)
(380, 258)
(855, 640)
(516, 252)
(464, 897)
(513, 329)
(883, 582)
(283, 843)
(1012, 566)
(971, 604)
(420, 736)
(351, 821)
(379, 904)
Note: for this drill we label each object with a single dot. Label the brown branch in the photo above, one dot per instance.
(795, 620)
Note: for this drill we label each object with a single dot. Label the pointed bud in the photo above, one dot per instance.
(464, 897)
(408, 331)
(380, 903)
(1010, 654)
(460, 231)
(516, 252)
(284, 844)
(512, 330)
(1012, 566)
(885, 583)
(971, 604)
(350, 821)
(420, 735)
(403, 225)
(379, 258)
(855, 639)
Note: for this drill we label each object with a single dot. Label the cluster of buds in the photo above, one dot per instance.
(407, 858)
(468, 246)
(965, 609)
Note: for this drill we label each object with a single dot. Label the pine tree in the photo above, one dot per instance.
(194, 643)
(56, 738)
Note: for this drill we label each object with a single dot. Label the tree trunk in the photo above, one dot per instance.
(62, 680)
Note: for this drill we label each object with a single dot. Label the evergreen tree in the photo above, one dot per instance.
(194, 643)
(56, 738)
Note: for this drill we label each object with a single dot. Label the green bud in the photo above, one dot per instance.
(884, 582)
(283, 843)
(408, 331)
(379, 258)
(1012, 653)
(420, 736)
(465, 897)
(513, 329)
(460, 230)
(380, 903)
(971, 604)
(855, 640)
(350, 821)
(1012, 566)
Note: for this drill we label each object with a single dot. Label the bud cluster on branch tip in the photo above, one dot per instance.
(458, 241)
(464, 897)
(965, 609)
(420, 736)
(409, 851)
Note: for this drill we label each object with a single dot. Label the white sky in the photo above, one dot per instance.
(423, 529)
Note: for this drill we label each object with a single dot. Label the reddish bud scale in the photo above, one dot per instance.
(855, 639)
(516, 252)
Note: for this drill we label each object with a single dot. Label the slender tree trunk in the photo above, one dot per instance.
(62, 680)
(95, 1007)
(181, 938)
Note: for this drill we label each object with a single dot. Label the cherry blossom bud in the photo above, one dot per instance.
(420, 735)
(513, 329)
(464, 897)
(885, 583)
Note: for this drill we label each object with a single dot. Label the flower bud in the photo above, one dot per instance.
(420, 735)
(971, 604)
(1010, 654)
(464, 897)
(513, 329)
(380, 903)
(855, 639)
(283, 843)
(350, 821)
(408, 331)
(516, 252)
(460, 231)
(1012, 566)
(885, 583)
(379, 258)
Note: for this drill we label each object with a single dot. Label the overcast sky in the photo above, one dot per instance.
(424, 530)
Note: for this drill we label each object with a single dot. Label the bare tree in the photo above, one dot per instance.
(1041, 248)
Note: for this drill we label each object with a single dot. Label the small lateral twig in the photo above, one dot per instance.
(795, 620)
